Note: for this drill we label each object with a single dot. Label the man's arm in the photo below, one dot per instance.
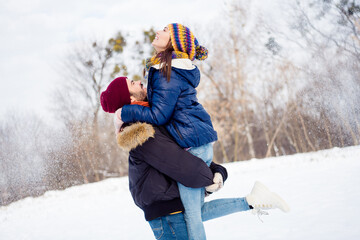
(220, 169)
(165, 155)
(220, 175)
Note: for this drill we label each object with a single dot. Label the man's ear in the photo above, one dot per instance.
(132, 99)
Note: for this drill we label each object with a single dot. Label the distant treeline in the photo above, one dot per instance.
(269, 91)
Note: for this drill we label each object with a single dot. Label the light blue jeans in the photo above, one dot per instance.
(173, 227)
(196, 211)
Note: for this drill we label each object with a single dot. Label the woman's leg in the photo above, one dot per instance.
(260, 198)
(219, 207)
(193, 198)
(222, 207)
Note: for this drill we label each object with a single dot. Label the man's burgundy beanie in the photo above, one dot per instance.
(115, 96)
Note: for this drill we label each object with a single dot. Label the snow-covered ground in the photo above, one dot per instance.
(321, 188)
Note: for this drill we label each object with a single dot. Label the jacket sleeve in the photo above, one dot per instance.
(164, 97)
(165, 155)
(220, 169)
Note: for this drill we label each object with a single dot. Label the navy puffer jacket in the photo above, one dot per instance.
(174, 104)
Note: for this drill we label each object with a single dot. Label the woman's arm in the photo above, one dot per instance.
(164, 97)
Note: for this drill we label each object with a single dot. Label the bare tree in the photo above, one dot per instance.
(86, 73)
(242, 83)
(22, 156)
(264, 104)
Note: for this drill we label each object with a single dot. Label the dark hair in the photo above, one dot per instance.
(165, 60)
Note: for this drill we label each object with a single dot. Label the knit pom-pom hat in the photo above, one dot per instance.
(183, 40)
(115, 96)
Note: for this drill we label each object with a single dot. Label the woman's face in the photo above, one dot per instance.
(161, 40)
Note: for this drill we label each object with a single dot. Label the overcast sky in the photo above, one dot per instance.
(35, 35)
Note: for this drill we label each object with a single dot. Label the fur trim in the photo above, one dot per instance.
(134, 135)
(181, 63)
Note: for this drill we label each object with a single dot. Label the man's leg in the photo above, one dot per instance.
(169, 227)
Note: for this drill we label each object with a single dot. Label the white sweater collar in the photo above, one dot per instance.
(181, 63)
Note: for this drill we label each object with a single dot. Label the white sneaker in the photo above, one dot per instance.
(261, 198)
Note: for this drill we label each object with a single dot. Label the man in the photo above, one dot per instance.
(156, 163)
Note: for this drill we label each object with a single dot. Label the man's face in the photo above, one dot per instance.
(137, 90)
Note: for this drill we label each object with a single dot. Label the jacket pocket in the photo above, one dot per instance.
(177, 130)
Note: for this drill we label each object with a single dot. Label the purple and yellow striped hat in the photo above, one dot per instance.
(183, 40)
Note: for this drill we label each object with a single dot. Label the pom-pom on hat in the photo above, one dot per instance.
(183, 40)
(115, 96)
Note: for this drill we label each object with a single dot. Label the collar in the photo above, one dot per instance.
(179, 60)
(181, 63)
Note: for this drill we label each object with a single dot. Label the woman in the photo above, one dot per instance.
(172, 79)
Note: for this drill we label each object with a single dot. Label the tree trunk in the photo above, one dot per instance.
(223, 151)
(249, 138)
(291, 138)
(328, 133)
(268, 152)
(348, 127)
(305, 130)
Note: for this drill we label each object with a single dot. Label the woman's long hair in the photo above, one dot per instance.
(165, 60)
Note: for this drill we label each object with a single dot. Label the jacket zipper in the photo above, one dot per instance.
(177, 130)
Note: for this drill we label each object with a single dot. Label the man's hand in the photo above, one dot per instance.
(218, 183)
(117, 120)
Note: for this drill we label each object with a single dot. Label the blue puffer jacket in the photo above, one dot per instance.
(174, 104)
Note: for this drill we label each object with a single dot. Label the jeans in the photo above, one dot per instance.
(169, 227)
(193, 198)
(190, 224)
(174, 226)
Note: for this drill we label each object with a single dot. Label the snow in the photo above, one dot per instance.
(321, 189)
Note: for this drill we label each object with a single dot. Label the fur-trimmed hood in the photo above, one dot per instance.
(135, 135)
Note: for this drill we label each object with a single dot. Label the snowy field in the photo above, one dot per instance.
(321, 188)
